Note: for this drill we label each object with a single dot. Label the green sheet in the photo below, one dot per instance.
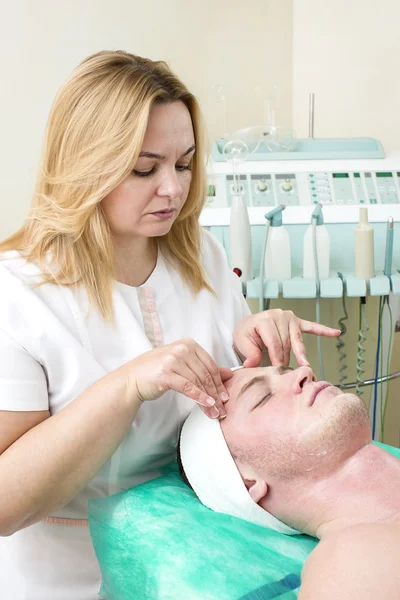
(158, 542)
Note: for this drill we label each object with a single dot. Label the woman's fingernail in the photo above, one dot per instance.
(222, 417)
(214, 412)
(224, 397)
(210, 401)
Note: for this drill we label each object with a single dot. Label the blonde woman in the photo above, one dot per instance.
(116, 313)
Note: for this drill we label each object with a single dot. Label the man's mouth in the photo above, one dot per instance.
(318, 387)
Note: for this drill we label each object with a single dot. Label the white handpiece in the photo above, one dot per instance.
(240, 238)
(364, 247)
(277, 256)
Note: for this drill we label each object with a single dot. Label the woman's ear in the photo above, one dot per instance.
(257, 489)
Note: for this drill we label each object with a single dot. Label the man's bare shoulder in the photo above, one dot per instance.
(362, 561)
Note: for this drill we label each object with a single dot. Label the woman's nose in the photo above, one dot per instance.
(301, 377)
(170, 185)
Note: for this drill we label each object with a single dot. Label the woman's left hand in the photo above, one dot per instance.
(277, 331)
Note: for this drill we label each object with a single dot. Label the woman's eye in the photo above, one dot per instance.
(153, 170)
(143, 173)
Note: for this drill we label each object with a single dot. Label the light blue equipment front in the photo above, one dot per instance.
(340, 174)
(158, 542)
(288, 148)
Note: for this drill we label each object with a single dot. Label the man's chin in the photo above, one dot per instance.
(343, 430)
(353, 417)
(353, 400)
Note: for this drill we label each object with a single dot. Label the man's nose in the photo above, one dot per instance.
(300, 377)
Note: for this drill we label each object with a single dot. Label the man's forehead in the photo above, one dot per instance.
(244, 375)
(257, 371)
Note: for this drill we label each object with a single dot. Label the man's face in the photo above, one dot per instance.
(284, 424)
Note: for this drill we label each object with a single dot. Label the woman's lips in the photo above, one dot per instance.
(164, 214)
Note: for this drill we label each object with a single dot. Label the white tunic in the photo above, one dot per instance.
(51, 351)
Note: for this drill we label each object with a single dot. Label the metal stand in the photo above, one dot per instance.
(348, 386)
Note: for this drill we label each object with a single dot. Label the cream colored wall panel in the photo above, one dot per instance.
(240, 44)
(347, 53)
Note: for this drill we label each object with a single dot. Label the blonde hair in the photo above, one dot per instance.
(93, 138)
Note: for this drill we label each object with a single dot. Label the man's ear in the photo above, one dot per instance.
(257, 489)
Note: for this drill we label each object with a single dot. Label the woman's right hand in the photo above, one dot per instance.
(183, 366)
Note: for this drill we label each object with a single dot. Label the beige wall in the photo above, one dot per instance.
(347, 53)
(206, 42)
(249, 50)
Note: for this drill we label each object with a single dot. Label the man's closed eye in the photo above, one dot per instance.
(263, 401)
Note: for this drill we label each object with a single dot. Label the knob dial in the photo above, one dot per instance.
(262, 186)
(287, 186)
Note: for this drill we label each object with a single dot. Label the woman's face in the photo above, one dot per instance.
(149, 200)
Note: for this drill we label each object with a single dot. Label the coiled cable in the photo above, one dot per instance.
(362, 329)
(340, 344)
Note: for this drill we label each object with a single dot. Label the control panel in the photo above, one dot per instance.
(339, 184)
(269, 189)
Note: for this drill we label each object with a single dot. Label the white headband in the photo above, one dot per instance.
(213, 474)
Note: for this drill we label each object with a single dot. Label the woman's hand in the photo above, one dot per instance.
(277, 331)
(185, 367)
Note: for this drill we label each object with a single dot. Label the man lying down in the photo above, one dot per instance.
(294, 454)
